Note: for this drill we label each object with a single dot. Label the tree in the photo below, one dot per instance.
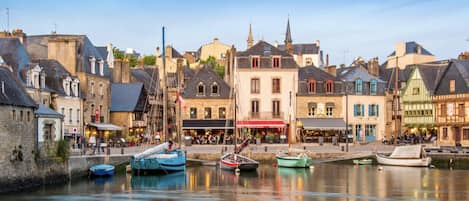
(118, 54)
(149, 60)
(212, 62)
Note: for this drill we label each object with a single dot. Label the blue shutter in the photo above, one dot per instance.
(355, 110)
(377, 110)
(363, 110)
(369, 110)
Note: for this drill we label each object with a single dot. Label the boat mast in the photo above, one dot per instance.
(165, 91)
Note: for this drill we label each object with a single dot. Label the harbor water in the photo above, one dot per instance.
(339, 182)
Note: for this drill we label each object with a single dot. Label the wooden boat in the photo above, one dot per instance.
(293, 160)
(159, 160)
(363, 161)
(102, 170)
(233, 161)
(411, 156)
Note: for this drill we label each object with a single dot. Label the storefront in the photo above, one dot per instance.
(268, 131)
(101, 133)
(325, 130)
(209, 131)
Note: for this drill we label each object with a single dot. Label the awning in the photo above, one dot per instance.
(207, 124)
(323, 123)
(330, 104)
(105, 127)
(260, 124)
(311, 104)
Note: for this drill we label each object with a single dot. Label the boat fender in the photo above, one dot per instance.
(275, 165)
(380, 168)
(432, 166)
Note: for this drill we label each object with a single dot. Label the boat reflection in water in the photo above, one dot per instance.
(176, 180)
(294, 172)
(102, 180)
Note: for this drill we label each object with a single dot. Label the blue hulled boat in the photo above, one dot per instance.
(102, 170)
(157, 159)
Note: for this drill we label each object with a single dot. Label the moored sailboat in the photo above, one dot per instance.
(411, 156)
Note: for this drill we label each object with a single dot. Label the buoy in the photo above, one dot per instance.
(237, 171)
(275, 164)
(380, 168)
(432, 166)
(311, 167)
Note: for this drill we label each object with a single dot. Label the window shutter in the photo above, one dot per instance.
(377, 110)
(369, 110)
(355, 110)
(363, 110)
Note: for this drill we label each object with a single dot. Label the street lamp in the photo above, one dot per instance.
(346, 118)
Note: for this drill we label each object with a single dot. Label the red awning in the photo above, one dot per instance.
(260, 124)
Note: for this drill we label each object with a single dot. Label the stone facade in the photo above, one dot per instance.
(201, 103)
(302, 109)
(214, 49)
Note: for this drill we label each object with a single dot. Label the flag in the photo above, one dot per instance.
(180, 100)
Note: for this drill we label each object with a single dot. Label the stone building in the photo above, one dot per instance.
(49, 123)
(208, 106)
(319, 107)
(17, 131)
(364, 103)
(407, 53)
(451, 102)
(266, 80)
(214, 49)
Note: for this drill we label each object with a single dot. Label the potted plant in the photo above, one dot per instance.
(258, 138)
(271, 138)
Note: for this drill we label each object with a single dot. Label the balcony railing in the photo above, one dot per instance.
(266, 115)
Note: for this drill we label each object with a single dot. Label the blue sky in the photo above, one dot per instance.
(346, 29)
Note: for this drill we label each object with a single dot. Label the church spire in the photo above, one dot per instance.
(288, 41)
(250, 38)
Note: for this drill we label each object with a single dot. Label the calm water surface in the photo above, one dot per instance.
(323, 182)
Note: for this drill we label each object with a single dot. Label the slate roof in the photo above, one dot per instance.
(149, 76)
(14, 94)
(37, 47)
(14, 54)
(102, 51)
(311, 72)
(350, 74)
(207, 76)
(265, 51)
(44, 111)
(411, 48)
(457, 70)
(55, 74)
(387, 74)
(431, 74)
(302, 48)
(126, 97)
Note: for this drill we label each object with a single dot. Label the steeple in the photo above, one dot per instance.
(250, 38)
(288, 41)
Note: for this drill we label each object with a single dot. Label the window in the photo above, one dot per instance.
(370, 130)
(13, 115)
(358, 110)
(255, 85)
(255, 106)
(276, 62)
(78, 116)
(28, 116)
(415, 91)
(214, 89)
(101, 67)
(276, 85)
(329, 110)
(221, 113)
(200, 89)
(63, 111)
(443, 110)
(450, 109)
(452, 85)
(358, 86)
(445, 134)
(312, 86)
(329, 86)
(92, 65)
(92, 88)
(276, 108)
(255, 62)
(465, 134)
(193, 113)
(309, 61)
(311, 111)
(21, 115)
(70, 115)
(461, 110)
(208, 113)
(101, 89)
(373, 110)
(373, 87)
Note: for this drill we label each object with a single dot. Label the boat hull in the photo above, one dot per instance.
(419, 162)
(102, 170)
(242, 163)
(173, 164)
(294, 161)
(363, 162)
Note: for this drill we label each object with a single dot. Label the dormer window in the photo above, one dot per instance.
(312, 86)
(101, 67)
(214, 88)
(75, 86)
(275, 62)
(358, 86)
(66, 85)
(329, 87)
(93, 65)
(255, 62)
(200, 89)
(373, 87)
(452, 85)
(43, 80)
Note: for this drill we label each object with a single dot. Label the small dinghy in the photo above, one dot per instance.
(102, 170)
(363, 162)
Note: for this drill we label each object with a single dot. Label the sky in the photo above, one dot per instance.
(345, 29)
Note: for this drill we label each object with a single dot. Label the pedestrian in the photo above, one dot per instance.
(83, 144)
(93, 143)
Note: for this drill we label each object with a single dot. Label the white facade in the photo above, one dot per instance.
(46, 125)
(365, 119)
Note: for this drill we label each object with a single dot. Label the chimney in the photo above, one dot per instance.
(342, 65)
(419, 49)
(373, 66)
(215, 41)
(318, 44)
(331, 70)
(158, 53)
(169, 52)
(180, 72)
(327, 60)
(139, 64)
(117, 71)
(125, 71)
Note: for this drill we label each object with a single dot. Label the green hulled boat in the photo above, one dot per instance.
(363, 162)
(293, 160)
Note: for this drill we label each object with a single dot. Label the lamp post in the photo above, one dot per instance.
(346, 119)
